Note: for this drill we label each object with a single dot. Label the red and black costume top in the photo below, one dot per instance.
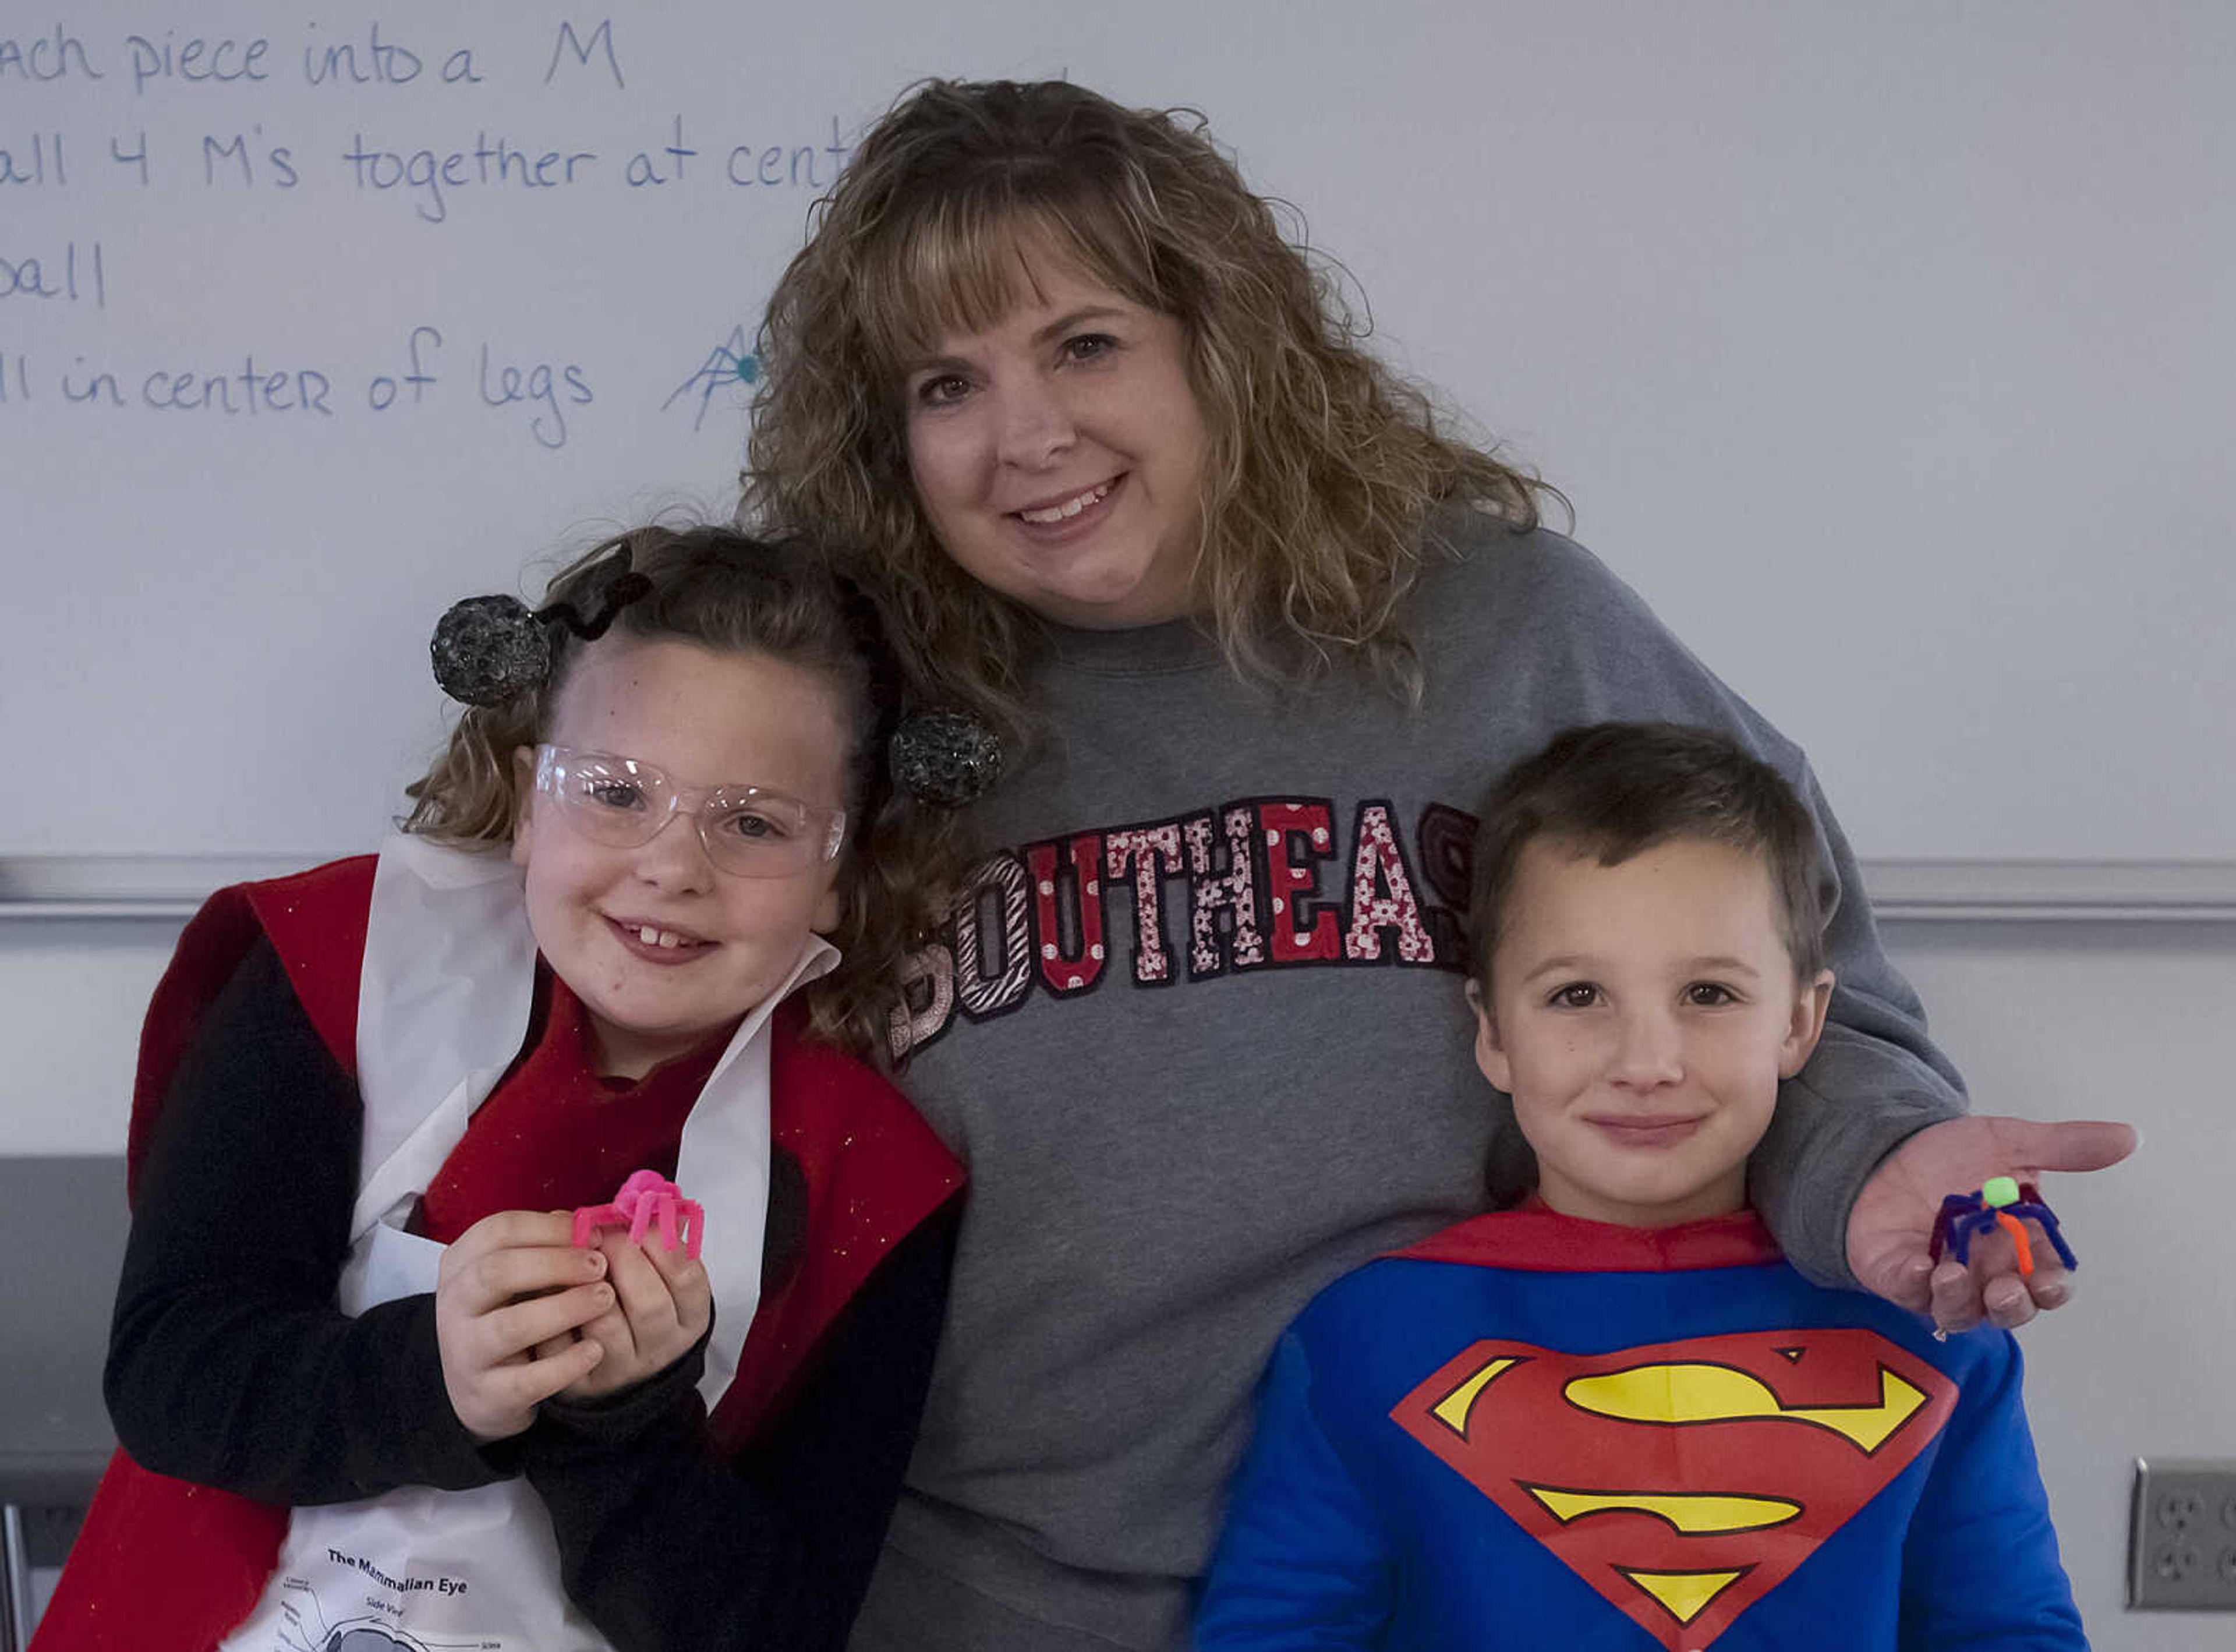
(238, 1389)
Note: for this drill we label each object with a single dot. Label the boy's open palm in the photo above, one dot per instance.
(663, 1305)
(511, 1290)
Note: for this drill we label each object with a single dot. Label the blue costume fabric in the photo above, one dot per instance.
(1531, 1431)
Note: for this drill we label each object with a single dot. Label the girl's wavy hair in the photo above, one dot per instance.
(734, 594)
(1324, 469)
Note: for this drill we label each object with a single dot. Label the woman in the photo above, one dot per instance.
(1256, 630)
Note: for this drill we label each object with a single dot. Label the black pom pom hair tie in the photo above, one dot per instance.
(944, 756)
(486, 649)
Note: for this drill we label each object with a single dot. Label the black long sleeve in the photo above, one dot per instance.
(228, 1363)
(775, 1548)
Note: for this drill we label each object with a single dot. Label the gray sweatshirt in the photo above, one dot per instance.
(1199, 1034)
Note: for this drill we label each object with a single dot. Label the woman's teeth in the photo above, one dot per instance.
(1068, 507)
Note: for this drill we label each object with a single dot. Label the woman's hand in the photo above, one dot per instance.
(664, 1303)
(511, 1290)
(1891, 1226)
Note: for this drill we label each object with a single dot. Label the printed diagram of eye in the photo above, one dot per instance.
(370, 1636)
(302, 1625)
(730, 364)
(350, 1634)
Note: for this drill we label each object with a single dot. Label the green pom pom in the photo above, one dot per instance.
(1998, 1191)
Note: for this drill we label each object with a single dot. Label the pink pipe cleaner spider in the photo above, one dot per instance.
(646, 1198)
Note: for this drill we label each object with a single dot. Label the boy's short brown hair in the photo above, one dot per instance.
(1614, 790)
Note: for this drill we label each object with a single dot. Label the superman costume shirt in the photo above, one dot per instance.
(1533, 1431)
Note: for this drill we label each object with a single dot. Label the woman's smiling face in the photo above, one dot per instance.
(1059, 454)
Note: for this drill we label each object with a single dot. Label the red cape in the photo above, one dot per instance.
(1539, 1241)
(162, 1562)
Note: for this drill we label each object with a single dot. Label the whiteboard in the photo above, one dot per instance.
(1889, 350)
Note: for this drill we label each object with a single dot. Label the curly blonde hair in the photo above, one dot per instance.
(1323, 467)
(724, 591)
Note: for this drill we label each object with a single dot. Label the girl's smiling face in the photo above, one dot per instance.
(1642, 1015)
(1059, 454)
(708, 719)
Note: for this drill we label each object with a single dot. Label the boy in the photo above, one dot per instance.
(1614, 1417)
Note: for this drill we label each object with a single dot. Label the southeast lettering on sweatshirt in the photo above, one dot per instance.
(1256, 884)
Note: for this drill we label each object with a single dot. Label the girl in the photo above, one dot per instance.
(1051, 374)
(368, 1091)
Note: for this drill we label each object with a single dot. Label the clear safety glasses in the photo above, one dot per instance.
(748, 833)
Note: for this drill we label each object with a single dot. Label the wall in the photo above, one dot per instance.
(2055, 1021)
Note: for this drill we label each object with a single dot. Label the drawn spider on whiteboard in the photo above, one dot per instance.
(730, 363)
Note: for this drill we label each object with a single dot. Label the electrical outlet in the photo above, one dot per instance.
(2182, 1536)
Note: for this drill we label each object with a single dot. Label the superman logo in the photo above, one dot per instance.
(1686, 1480)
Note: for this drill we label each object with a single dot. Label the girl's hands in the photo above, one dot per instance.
(664, 1303)
(510, 1294)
